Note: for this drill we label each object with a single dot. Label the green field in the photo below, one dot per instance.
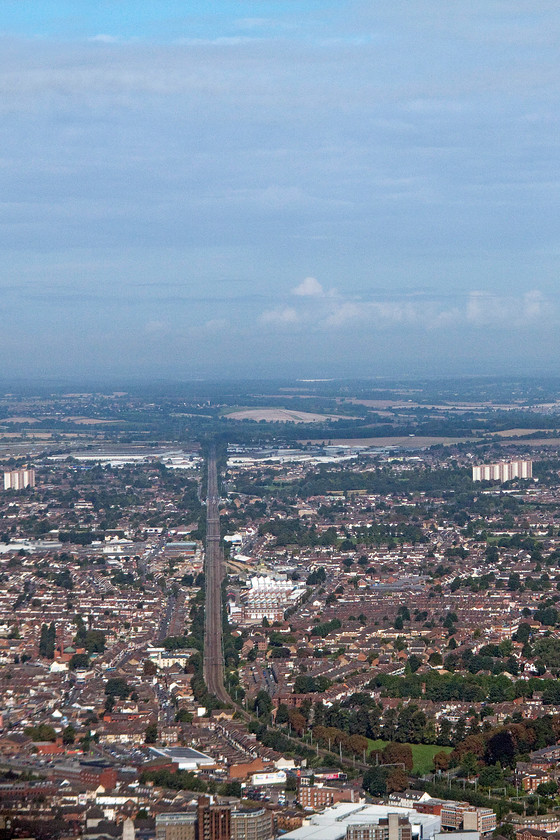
(422, 754)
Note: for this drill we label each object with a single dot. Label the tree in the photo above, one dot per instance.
(548, 649)
(42, 732)
(151, 734)
(150, 668)
(231, 789)
(514, 581)
(95, 641)
(469, 764)
(397, 780)
(491, 776)
(410, 725)
(69, 735)
(43, 640)
(394, 753)
(85, 742)
(441, 761)
(460, 729)
(444, 734)
(357, 744)
(117, 687)
(523, 633)
(297, 721)
(547, 788)
(263, 704)
(547, 615)
(47, 641)
(500, 747)
(375, 781)
(78, 660)
(280, 653)
(282, 713)
(414, 662)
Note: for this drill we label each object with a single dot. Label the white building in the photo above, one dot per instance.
(18, 479)
(331, 824)
(502, 471)
(185, 757)
(269, 598)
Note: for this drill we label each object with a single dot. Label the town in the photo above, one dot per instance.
(390, 622)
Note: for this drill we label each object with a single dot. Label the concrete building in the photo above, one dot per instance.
(268, 597)
(461, 815)
(128, 830)
(251, 824)
(321, 796)
(332, 823)
(502, 471)
(181, 826)
(18, 479)
(393, 827)
(213, 822)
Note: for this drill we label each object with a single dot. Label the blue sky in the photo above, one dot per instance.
(164, 20)
(291, 188)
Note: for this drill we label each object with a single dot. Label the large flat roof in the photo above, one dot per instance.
(185, 757)
(331, 823)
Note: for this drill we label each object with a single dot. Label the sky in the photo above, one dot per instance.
(290, 188)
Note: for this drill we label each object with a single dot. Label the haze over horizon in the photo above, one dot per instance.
(270, 189)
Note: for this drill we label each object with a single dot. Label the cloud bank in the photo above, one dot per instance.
(267, 188)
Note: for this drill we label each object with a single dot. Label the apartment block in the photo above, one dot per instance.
(213, 821)
(18, 479)
(503, 471)
(251, 824)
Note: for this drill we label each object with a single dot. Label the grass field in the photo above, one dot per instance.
(422, 754)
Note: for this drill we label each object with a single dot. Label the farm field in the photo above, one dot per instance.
(279, 415)
(506, 433)
(422, 754)
(408, 442)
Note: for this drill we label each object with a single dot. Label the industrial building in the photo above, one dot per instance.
(333, 823)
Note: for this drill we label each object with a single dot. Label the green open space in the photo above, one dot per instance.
(422, 754)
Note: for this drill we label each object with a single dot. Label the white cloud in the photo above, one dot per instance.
(310, 287)
(155, 327)
(533, 304)
(104, 39)
(281, 317)
(486, 308)
(480, 308)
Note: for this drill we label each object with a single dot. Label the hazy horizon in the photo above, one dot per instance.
(279, 189)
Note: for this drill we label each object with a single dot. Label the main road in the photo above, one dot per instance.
(213, 663)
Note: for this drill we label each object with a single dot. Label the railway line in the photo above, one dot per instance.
(213, 662)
